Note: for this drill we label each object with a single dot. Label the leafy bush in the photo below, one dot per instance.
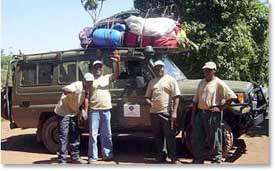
(5, 60)
(234, 34)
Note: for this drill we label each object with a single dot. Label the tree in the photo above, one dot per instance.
(5, 61)
(234, 34)
(93, 7)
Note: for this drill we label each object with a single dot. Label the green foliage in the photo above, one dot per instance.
(5, 60)
(90, 5)
(234, 34)
(93, 7)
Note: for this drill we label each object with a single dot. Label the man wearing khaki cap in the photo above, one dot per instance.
(163, 97)
(212, 97)
(67, 111)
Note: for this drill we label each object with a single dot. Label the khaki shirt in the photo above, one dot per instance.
(100, 95)
(212, 93)
(161, 91)
(69, 104)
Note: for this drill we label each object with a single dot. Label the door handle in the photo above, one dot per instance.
(25, 104)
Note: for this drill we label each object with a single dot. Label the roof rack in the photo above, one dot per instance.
(129, 51)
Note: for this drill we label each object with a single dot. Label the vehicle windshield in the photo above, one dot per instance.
(171, 69)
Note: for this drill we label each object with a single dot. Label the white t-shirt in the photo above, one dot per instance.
(161, 91)
(212, 93)
(100, 95)
(69, 104)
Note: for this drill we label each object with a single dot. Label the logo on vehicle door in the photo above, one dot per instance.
(131, 110)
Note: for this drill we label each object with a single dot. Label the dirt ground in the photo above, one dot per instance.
(20, 147)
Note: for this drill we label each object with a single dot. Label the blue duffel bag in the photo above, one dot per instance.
(107, 37)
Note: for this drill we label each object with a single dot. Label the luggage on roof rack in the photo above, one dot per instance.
(119, 31)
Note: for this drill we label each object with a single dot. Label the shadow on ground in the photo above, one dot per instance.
(23, 143)
(239, 147)
(132, 150)
(259, 130)
(126, 150)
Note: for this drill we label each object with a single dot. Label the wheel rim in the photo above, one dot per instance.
(227, 140)
(50, 134)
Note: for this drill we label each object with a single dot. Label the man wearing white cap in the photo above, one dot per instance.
(67, 110)
(163, 97)
(212, 97)
(99, 114)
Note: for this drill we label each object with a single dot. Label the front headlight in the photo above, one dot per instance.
(241, 97)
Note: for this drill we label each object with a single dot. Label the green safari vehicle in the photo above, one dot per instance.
(38, 78)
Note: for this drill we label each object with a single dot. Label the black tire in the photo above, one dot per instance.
(227, 141)
(187, 137)
(50, 134)
(4, 107)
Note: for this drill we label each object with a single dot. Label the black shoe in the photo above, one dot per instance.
(62, 162)
(216, 161)
(195, 161)
(161, 159)
(108, 159)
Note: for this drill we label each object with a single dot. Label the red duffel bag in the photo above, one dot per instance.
(165, 42)
(133, 40)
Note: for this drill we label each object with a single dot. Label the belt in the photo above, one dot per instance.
(165, 114)
(206, 111)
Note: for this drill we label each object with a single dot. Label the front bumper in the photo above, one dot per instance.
(259, 102)
(256, 108)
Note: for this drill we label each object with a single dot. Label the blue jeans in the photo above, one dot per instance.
(100, 119)
(68, 131)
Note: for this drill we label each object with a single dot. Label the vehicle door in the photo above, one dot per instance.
(130, 109)
(34, 91)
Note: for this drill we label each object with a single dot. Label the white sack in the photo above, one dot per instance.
(150, 26)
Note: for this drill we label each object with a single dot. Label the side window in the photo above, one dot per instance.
(45, 73)
(67, 72)
(28, 75)
(83, 67)
(133, 74)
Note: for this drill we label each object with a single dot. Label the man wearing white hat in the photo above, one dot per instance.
(212, 97)
(163, 97)
(99, 114)
(67, 110)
